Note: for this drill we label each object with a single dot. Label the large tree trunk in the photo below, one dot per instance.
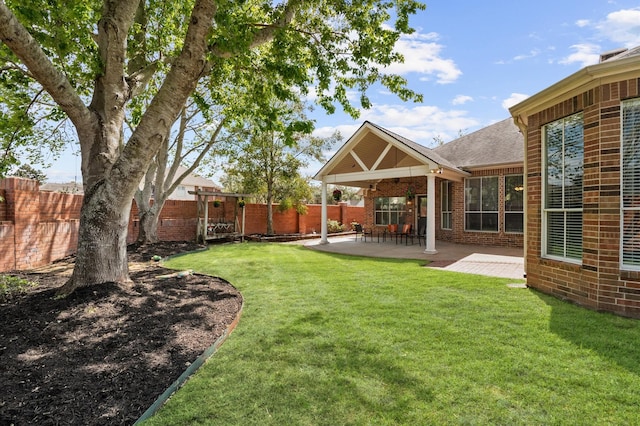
(148, 225)
(102, 241)
(112, 172)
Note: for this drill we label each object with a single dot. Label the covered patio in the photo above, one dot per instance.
(374, 155)
(504, 262)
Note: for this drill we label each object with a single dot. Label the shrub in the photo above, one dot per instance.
(334, 226)
(11, 286)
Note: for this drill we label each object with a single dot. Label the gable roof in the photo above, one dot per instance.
(495, 145)
(420, 149)
(374, 153)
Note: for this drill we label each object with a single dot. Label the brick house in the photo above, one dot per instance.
(582, 144)
(469, 190)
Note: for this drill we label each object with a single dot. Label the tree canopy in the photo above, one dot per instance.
(102, 63)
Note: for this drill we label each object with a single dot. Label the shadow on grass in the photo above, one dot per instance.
(610, 336)
(362, 257)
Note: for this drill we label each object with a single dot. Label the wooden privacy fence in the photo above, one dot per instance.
(39, 227)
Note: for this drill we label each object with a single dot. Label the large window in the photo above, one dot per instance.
(562, 204)
(389, 210)
(446, 197)
(630, 247)
(481, 204)
(513, 203)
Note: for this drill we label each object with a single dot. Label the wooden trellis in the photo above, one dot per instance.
(221, 227)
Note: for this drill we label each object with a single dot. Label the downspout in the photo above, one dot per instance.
(523, 129)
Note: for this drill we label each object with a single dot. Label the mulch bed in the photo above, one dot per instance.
(103, 355)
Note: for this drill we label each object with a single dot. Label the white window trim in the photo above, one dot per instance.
(544, 210)
(623, 266)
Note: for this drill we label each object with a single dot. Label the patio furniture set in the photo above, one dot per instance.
(393, 233)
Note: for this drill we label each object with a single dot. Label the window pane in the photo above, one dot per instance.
(573, 160)
(473, 221)
(489, 221)
(514, 193)
(389, 210)
(555, 233)
(574, 235)
(472, 194)
(564, 164)
(446, 221)
(554, 178)
(631, 238)
(631, 183)
(631, 154)
(513, 222)
(490, 194)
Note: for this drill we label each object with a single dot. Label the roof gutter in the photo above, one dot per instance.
(573, 85)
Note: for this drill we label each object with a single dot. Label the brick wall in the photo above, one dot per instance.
(457, 233)
(3, 206)
(597, 283)
(37, 228)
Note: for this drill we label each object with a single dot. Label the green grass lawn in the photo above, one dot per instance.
(328, 339)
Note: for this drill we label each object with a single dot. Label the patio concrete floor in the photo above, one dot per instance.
(472, 259)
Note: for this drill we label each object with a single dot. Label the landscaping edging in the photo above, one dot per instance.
(180, 381)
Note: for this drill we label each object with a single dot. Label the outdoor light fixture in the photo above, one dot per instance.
(437, 171)
(519, 188)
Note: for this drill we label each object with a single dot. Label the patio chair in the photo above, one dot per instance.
(422, 229)
(406, 233)
(368, 232)
(392, 231)
(358, 228)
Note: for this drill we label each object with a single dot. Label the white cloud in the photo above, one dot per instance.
(585, 54)
(422, 54)
(513, 99)
(461, 100)
(533, 53)
(622, 26)
(418, 123)
(583, 22)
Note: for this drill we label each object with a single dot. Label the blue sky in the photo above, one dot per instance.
(472, 60)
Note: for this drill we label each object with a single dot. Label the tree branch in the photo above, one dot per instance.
(16, 37)
(268, 31)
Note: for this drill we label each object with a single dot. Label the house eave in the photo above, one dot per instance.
(574, 84)
(481, 167)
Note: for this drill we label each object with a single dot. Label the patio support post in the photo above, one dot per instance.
(323, 216)
(430, 238)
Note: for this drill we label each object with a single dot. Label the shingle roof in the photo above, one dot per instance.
(624, 53)
(499, 143)
(195, 180)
